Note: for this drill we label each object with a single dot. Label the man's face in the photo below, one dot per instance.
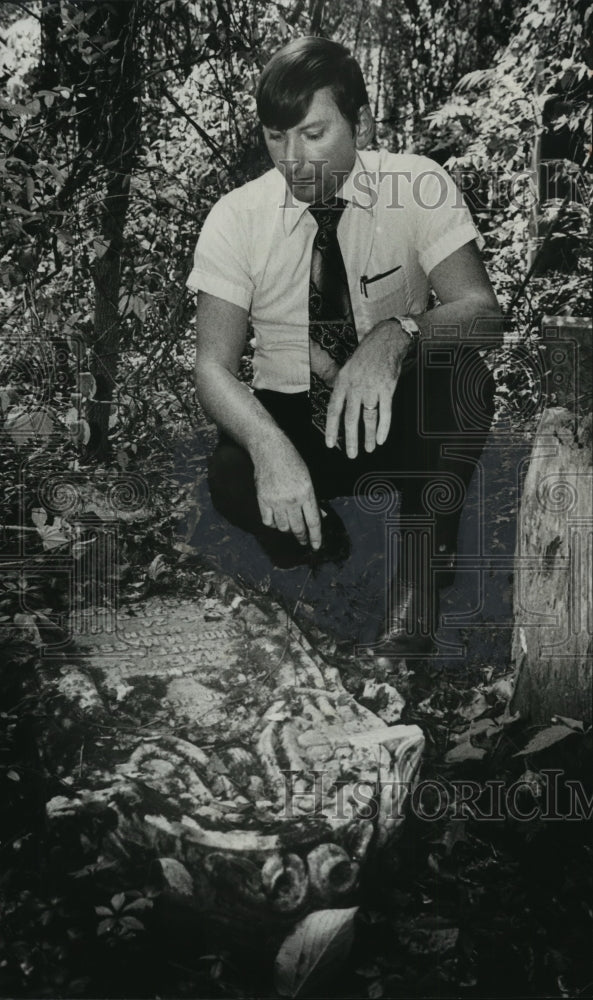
(317, 154)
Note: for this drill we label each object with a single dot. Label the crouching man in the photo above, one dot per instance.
(332, 254)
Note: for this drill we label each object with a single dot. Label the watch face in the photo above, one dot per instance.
(410, 327)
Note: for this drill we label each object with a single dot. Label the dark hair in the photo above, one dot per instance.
(301, 68)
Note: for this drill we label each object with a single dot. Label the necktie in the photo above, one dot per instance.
(332, 333)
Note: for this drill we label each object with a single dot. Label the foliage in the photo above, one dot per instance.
(488, 132)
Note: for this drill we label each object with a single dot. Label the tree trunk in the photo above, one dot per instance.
(552, 644)
(49, 70)
(106, 278)
(316, 11)
(117, 121)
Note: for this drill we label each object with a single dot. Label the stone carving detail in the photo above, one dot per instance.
(251, 765)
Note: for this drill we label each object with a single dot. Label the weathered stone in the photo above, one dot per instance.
(223, 745)
(552, 641)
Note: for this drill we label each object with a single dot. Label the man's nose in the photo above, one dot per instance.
(295, 152)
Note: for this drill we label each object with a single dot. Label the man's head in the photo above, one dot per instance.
(313, 105)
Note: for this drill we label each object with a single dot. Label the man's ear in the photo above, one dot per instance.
(365, 127)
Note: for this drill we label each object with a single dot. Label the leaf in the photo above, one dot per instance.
(139, 307)
(28, 622)
(477, 706)
(576, 724)
(465, 751)
(314, 948)
(483, 728)
(106, 925)
(132, 923)
(138, 906)
(431, 941)
(39, 516)
(502, 688)
(103, 911)
(8, 396)
(186, 550)
(52, 535)
(100, 247)
(157, 567)
(87, 384)
(174, 877)
(118, 901)
(65, 237)
(23, 425)
(11, 109)
(80, 431)
(546, 738)
(216, 765)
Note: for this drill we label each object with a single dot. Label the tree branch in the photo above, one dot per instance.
(201, 132)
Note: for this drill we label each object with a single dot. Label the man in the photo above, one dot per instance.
(332, 254)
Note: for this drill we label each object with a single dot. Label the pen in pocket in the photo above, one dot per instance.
(364, 281)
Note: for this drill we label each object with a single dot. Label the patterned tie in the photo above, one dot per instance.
(332, 334)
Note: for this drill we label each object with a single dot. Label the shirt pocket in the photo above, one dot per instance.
(383, 293)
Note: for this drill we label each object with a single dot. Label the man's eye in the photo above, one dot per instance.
(313, 135)
(274, 136)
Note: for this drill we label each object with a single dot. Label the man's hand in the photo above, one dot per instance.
(285, 492)
(368, 381)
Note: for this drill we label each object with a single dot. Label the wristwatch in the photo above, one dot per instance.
(409, 326)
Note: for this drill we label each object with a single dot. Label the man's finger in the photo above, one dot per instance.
(370, 414)
(313, 522)
(385, 406)
(282, 522)
(297, 525)
(351, 423)
(267, 514)
(334, 412)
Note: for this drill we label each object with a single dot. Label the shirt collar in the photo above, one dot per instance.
(356, 190)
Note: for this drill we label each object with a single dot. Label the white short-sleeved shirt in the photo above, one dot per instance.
(404, 216)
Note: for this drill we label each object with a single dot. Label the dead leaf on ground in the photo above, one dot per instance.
(463, 752)
(314, 949)
(477, 705)
(546, 738)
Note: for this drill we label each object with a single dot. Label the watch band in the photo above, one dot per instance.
(409, 326)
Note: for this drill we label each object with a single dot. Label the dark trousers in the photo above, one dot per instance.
(441, 413)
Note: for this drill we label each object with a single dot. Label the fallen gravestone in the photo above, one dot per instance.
(214, 737)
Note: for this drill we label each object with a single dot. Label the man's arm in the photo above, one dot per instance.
(466, 296)
(370, 377)
(284, 490)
